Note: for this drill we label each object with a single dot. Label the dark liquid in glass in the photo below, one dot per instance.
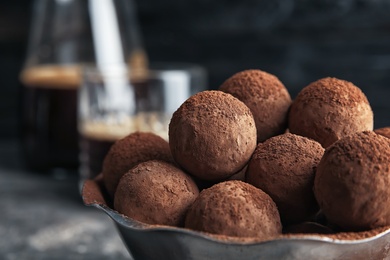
(49, 117)
(93, 152)
(96, 138)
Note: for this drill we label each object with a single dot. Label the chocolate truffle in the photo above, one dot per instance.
(127, 152)
(212, 135)
(234, 208)
(267, 98)
(329, 109)
(352, 182)
(155, 192)
(385, 131)
(284, 167)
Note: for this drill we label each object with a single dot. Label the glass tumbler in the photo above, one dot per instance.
(65, 35)
(113, 104)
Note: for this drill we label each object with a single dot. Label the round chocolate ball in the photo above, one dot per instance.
(127, 152)
(267, 98)
(234, 208)
(329, 109)
(284, 167)
(385, 131)
(212, 135)
(352, 182)
(155, 192)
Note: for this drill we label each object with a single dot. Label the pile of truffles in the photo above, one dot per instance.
(248, 161)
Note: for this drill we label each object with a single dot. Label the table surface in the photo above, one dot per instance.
(43, 217)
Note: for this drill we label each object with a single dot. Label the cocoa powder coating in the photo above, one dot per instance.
(212, 135)
(127, 152)
(155, 192)
(234, 208)
(352, 182)
(267, 98)
(329, 109)
(385, 131)
(93, 193)
(284, 167)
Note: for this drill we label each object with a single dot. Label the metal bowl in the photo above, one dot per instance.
(162, 242)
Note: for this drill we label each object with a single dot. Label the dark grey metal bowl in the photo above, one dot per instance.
(162, 242)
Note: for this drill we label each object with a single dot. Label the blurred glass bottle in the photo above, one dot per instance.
(62, 39)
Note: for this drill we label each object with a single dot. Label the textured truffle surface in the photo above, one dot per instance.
(267, 98)
(352, 182)
(284, 167)
(234, 208)
(385, 131)
(212, 135)
(127, 152)
(329, 109)
(155, 192)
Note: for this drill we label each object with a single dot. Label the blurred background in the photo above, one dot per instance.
(299, 41)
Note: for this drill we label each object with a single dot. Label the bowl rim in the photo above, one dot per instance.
(93, 196)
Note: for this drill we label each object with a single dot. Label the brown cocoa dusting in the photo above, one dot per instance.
(234, 208)
(358, 235)
(385, 131)
(361, 146)
(126, 153)
(332, 96)
(352, 182)
(343, 235)
(95, 196)
(329, 109)
(155, 192)
(257, 83)
(333, 91)
(91, 193)
(267, 98)
(284, 167)
(212, 135)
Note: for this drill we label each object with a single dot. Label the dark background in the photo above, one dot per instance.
(297, 40)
